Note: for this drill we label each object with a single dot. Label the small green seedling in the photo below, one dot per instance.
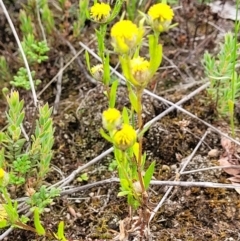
(83, 177)
(20, 80)
(36, 51)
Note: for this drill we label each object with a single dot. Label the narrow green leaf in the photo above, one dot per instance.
(155, 51)
(20, 119)
(116, 10)
(106, 70)
(148, 175)
(3, 137)
(132, 201)
(123, 193)
(100, 41)
(88, 61)
(146, 128)
(124, 184)
(125, 116)
(136, 150)
(125, 67)
(113, 94)
(105, 135)
(143, 159)
(117, 154)
(61, 231)
(133, 99)
(39, 228)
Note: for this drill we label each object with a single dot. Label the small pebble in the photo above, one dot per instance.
(213, 153)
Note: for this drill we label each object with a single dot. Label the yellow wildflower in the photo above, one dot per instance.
(2, 172)
(125, 138)
(111, 119)
(100, 12)
(160, 16)
(125, 36)
(140, 70)
(97, 72)
(4, 178)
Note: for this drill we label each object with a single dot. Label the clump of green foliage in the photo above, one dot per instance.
(119, 126)
(21, 79)
(24, 163)
(224, 80)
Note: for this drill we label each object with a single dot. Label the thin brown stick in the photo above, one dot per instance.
(154, 183)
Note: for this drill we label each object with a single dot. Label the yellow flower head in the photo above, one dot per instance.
(4, 178)
(111, 119)
(2, 172)
(160, 16)
(140, 70)
(125, 36)
(100, 12)
(97, 72)
(125, 137)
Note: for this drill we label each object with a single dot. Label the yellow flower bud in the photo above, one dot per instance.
(2, 172)
(140, 71)
(160, 17)
(100, 12)
(125, 138)
(4, 178)
(97, 72)
(111, 119)
(137, 187)
(125, 36)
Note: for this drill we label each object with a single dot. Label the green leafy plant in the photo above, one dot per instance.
(132, 7)
(21, 166)
(25, 23)
(43, 197)
(118, 127)
(4, 69)
(60, 233)
(47, 16)
(35, 50)
(82, 15)
(19, 159)
(112, 165)
(22, 160)
(21, 79)
(224, 80)
(83, 177)
(39, 228)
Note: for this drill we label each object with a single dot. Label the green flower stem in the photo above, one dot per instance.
(123, 164)
(144, 200)
(124, 167)
(101, 37)
(101, 34)
(140, 127)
